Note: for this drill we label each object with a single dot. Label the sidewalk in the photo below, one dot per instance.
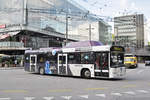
(10, 68)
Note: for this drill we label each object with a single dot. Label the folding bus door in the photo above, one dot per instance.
(33, 63)
(102, 64)
(62, 64)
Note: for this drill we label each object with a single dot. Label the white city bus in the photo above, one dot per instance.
(94, 61)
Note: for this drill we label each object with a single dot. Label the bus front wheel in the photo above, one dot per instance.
(41, 71)
(86, 73)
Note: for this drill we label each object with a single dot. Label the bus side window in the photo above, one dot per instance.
(32, 59)
(105, 60)
(71, 58)
(74, 58)
(40, 58)
(27, 60)
(87, 58)
(97, 62)
(62, 60)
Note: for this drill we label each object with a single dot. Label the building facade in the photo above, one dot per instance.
(147, 33)
(129, 31)
(45, 23)
(105, 35)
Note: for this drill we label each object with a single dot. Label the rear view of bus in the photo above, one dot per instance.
(117, 68)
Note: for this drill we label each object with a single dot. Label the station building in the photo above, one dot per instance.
(33, 24)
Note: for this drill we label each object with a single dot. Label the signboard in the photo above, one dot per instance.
(10, 25)
(3, 26)
(117, 48)
(13, 25)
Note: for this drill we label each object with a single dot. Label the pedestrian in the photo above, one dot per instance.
(15, 62)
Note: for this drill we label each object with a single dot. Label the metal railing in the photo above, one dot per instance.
(11, 45)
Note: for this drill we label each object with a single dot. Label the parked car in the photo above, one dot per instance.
(147, 62)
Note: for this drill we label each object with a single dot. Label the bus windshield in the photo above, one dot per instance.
(116, 59)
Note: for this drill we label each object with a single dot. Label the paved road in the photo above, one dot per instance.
(16, 84)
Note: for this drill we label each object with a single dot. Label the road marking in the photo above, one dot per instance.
(95, 89)
(117, 94)
(4, 98)
(84, 96)
(14, 91)
(131, 70)
(142, 91)
(140, 71)
(129, 86)
(60, 90)
(130, 92)
(101, 95)
(29, 98)
(67, 97)
(48, 98)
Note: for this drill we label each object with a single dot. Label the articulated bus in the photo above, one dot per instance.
(88, 62)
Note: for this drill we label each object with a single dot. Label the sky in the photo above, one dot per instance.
(114, 8)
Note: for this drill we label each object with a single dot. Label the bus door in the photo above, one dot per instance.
(62, 64)
(33, 63)
(102, 64)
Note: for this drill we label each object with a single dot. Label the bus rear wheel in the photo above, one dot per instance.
(42, 71)
(86, 73)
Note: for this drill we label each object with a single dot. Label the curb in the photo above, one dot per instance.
(10, 68)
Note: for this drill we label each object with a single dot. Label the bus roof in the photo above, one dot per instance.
(89, 48)
(83, 44)
(129, 54)
(43, 50)
(94, 48)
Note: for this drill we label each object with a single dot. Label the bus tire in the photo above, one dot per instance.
(86, 73)
(41, 71)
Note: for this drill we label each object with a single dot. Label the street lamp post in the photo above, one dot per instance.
(116, 35)
(67, 28)
(67, 17)
(90, 28)
(89, 32)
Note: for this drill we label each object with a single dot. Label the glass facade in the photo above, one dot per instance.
(11, 11)
(51, 15)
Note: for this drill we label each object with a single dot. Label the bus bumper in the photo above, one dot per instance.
(117, 73)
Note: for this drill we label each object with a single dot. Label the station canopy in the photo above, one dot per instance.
(6, 35)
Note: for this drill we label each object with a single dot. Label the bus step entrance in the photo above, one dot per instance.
(62, 70)
(32, 68)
